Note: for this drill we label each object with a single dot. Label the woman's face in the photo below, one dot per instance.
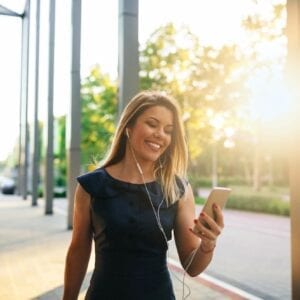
(151, 134)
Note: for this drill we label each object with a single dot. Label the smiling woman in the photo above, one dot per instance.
(133, 203)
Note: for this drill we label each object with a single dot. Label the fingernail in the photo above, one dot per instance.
(202, 214)
(215, 205)
(195, 221)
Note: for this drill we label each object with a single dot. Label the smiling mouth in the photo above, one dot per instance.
(154, 146)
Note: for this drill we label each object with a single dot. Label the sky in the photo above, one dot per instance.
(215, 22)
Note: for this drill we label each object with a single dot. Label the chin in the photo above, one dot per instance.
(151, 158)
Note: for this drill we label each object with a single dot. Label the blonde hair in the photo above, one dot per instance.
(172, 165)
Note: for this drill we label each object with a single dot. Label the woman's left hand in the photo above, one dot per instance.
(209, 229)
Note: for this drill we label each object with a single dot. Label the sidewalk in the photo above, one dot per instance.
(33, 248)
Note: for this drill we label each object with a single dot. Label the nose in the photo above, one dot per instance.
(156, 134)
(159, 133)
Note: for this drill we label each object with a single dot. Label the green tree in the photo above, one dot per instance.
(99, 108)
(208, 82)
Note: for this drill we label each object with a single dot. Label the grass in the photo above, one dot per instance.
(271, 200)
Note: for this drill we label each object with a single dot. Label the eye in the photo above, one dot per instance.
(169, 130)
(152, 124)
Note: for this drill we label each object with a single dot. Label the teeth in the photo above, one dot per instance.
(154, 145)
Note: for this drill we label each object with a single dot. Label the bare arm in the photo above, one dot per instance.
(80, 248)
(200, 243)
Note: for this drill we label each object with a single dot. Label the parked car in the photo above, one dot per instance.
(8, 186)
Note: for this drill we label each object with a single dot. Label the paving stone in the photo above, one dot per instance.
(33, 248)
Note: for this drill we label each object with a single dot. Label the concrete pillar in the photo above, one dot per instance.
(36, 145)
(73, 118)
(24, 136)
(49, 186)
(293, 79)
(128, 69)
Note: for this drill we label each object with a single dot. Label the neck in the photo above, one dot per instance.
(144, 168)
(138, 166)
(127, 170)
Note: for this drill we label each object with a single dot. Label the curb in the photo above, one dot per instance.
(224, 288)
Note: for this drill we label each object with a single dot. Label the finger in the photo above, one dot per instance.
(213, 226)
(201, 235)
(203, 231)
(197, 233)
(219, 215)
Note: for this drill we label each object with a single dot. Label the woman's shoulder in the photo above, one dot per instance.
(91, 181)
(97, 173)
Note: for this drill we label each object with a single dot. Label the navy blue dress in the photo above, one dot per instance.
(130, 249)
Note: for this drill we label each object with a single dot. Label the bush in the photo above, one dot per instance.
(197, 181)
(58, 192)
(259, 203)
(268, 200)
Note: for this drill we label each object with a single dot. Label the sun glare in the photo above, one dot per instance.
(215, 23)
(270, 101)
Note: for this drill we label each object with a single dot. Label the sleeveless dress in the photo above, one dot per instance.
(130, 249)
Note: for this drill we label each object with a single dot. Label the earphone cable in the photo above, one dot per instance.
(157, 217)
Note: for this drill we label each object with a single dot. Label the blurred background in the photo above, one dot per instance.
(224, 61)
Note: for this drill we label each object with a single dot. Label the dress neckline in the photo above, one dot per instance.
(127, 182)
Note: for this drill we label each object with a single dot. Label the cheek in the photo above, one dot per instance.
(170, 139)
(142, 132)
(139, 136)
(167, 144)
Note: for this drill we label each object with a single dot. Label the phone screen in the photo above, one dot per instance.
(218, 195)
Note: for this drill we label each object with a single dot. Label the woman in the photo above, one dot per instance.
(131, 205)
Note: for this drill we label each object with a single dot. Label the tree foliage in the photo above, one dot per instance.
(211, 85)
(99, 108)
(208, 82)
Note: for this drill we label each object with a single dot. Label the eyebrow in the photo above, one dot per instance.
(168, 125)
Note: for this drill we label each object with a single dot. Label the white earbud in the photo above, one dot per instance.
(127, 132)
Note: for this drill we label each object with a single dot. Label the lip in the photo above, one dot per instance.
(153, 145)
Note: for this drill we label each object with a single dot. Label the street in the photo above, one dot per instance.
(253, 254)
(33, 249)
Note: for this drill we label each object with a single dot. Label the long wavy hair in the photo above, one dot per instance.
(171, 167)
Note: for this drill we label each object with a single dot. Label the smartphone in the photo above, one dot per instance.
(218, 195)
